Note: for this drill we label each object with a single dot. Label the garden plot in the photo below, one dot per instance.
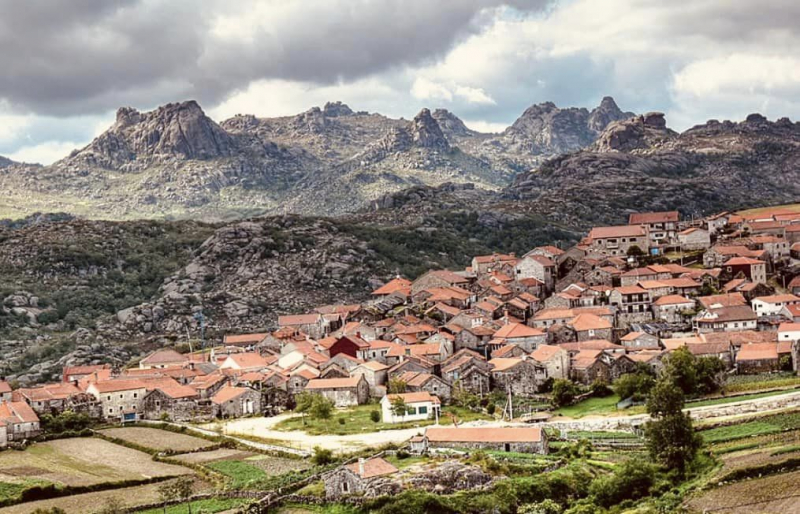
(775, 494)
(81, 461)
(157, 439)
(213, 456)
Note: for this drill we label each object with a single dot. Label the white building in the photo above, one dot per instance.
(789, 332)
(419, 407)
(770, 305)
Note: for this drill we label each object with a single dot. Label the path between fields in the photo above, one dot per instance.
(301, 443)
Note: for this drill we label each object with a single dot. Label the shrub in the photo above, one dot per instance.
(634, 385)
(564, 392)
(342, 421)
(375, 416)
(630, 481)
(490, 409)
(322, 456)
(600, 389)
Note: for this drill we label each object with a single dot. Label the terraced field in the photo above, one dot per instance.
(157, 439)
(776, 494)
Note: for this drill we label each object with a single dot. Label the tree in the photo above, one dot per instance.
(682, 367)
(635, 251)
(671, 439)
(303, 403)
(399, 407)
(634, 385)
(710, 373)
(321, 407)
(630, 481)
(564, 392)
(397, 386)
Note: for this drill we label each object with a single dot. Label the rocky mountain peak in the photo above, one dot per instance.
(425, 131)
(450, 124)
(607, 112)
(5, 162)
(335, 109)
(635, 133)
(179, 131)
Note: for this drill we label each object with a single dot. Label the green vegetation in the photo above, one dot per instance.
(241, 475)
(359, 420)
(763, 426)
(210, 506)
(564, 392)
(590, 406)
(635, 385)
(742, 383)
(671, 439)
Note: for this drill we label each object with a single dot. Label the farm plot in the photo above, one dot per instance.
(82, 461)
(775, 494)
(213, 456)
(250, 472)
(773, 424)
(129, 497)
(157, 439)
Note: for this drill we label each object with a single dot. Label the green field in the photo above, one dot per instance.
(241, 474)
(357, 420)
(765, 426)
(591, 406)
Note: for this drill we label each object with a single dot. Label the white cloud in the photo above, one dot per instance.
(740, 74)
(487, 127)
(424, 89)
(44, 153)
(474, 95)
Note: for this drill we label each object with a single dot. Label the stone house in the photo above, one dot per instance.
(539, 267)
(314, 324)
(235, 402)
(54, 398)
(165, 358)
(717, 222)
(757, 358)
(671, 308)
(357, 478)
(588, 366)
(74, 374)
(119, 397)
(5, 391)
(352, 345)
(425, 382)
(420, 406)
(469, 371)
(694, 238)
(438, 278)
(207, 385)
(506, 439)
(618, 240)
(651, 358)
(639, 341)
(180, 403)
(376, 375)
(632, 303)
(482, 264)
(474, 338)
(247, 342)
(414, 364)
(661, 226)
(717, 255)
(527, 338)
(522, 376)
(343, 392)
(19, 421)
(588, 326)
(555, 360)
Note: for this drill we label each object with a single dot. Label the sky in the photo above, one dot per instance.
(67, 66)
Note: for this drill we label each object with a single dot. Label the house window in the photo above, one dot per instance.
(109, 398)
(110, 410)
(135, 395)
(423, 410)
(120, 397)
(345, 487)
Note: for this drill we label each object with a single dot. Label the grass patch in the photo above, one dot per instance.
(732, 399)
(210, 505)
(241, 474)
(786, 449)
(590, 406)
(357, 421)
(313, 489)
(585, 434)
(743, 383)
(765, 426)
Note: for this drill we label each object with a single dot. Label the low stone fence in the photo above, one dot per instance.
(248, 495)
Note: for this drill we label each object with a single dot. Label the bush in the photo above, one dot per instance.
(375, 416)
(600, 389)
(564, 392)
(342, 421)
(630, 481)
(322, 456)
(490, 409)
(634, 385)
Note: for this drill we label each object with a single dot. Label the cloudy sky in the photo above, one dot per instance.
(65, 67)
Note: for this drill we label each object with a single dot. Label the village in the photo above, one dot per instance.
(425, 356)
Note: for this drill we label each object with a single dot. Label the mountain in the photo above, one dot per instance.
(176, 162)
(639, 164)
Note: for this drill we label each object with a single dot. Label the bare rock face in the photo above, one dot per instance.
(179, 131)
(5, 162)
(426, 133)
(451, 125)
(336, 109)
(546, 129)
(639, 132)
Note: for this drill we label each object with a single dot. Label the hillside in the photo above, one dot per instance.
(175, 162)
(640, 164)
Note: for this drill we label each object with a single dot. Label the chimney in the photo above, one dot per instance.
(361, 467)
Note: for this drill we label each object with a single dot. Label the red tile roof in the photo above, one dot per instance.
(757, 351)
(228, 393)
(334, 383)
(484, 434)
(618, 231)
(374, 467)
(638, 218)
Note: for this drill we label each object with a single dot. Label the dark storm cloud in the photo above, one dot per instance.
(85, 56)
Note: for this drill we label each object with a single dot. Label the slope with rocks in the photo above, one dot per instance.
(175, 162)
(640, 164)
